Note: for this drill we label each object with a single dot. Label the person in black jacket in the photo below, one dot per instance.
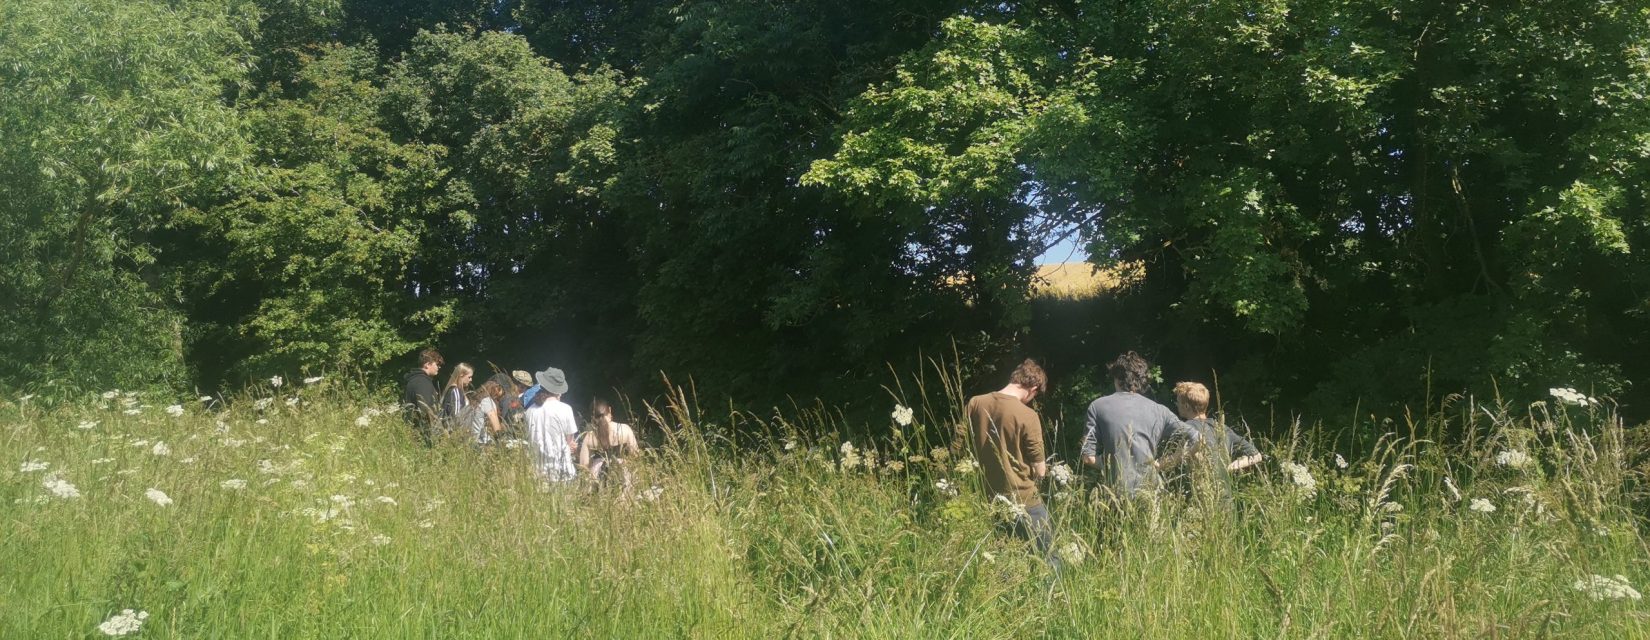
(420, 400)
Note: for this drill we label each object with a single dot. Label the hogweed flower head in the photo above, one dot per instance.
(902, 415)
(60, 487)
(1600, 587)
(158, 497)
(175, 410)
(967, 466)
(1482, 505)
(31, 466)
(1302, 477)
(1061, 474)
(124, 623)
(1569, 396)
(276, 381)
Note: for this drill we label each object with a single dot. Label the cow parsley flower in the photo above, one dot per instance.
(292, 401)
(124, 623)
(895, 466)
(1061, 474)
(158, 497)
(132, 412)
(939, 454)
(160, 449)
(1514, 458)
(205, 399)
(275, 381)
(790, 444)
(945, 487)
(110, 395)
(103, 461)
(1600, 587)
(314, 379)
(31, 466)
(1340, 463)
(850, 456)
(175, 410)
(902, 415)
(967, 466)
(1010, 508)
(362, 421)
(1302, 477)
(1482, 506)
(380, 540)
(1073, 553)
(60, 487)
(233, 484)
(1569, 396)
(86, 424)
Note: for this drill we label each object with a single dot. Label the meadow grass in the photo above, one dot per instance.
(347, 528)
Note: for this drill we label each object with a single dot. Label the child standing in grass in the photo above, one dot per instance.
(1234, 451)
(482, 419)
(550, 427)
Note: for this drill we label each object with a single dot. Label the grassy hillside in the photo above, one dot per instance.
(315, 516)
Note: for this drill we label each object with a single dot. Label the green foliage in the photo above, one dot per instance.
(115, 115)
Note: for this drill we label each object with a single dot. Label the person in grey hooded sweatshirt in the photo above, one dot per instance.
(419, 399)
(1125, 430)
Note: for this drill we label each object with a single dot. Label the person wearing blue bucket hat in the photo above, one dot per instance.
(551, 426)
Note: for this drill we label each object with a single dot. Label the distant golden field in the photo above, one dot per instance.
(1080, 280)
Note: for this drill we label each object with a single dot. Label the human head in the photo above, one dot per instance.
(1191, 399)
(430, 361)
(1130, 372)
(552, 380)
(491, 389)
(462, 373)
(1029, 376)
(601, 413)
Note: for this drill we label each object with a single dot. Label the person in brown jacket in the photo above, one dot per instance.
(1006, 437)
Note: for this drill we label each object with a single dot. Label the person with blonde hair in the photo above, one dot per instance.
(1232, 449)
(607, 444)
(456, 396)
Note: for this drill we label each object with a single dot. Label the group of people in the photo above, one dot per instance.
(1131, 439)
(520, 405)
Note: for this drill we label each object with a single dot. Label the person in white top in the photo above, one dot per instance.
(551, 426)
(606, 444)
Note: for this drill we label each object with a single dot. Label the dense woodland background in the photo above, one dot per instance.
(1331, 204)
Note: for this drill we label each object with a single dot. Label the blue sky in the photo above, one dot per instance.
(1068, 250)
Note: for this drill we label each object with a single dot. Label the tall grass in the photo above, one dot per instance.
(344, 530)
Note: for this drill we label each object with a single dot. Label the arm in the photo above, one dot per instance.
(492, 420)
(1244, 463)
(1031, 446)
(584, 457)
(1090, 451)
(1177, 430)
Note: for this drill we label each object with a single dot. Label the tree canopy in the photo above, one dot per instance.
(1332, 202)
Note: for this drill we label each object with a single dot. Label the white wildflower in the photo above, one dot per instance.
(292, 401)
(967, 466)
(1600, 587)
(363, 421)
(263, 421)
(1514, 458)
(850, 456)
(110, 395)
(514, 443)
(160, 449)
(945, 487)
(989, 557)
(314, 379)
(902, 415)
(1061, 474)
(1073, 553)
(652, 493)
(103, 461)
(205, 399)
(300, 483)
(1010, 507)
(426, 524)
(1569, 396)
(31, 466)
(175, 410)
(86, 424)
(188, 460)
(275, 381)
(1302, 477)
(1340, 463)
(132, 412)
(263, 403)
(1482, 506)
(939, 454)
(386, 500)
(790, 444)
(26, 398)
(233, 484)
(123, 623)
(380, 540)
(158, 497)
(343, 500)
(60, 487)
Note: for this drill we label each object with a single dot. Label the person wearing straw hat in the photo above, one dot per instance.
(551, 427)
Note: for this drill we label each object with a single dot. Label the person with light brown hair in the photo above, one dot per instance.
(1006, 438)
(482, 418)
(1124, 430)
(1231, 449)
(607, 444)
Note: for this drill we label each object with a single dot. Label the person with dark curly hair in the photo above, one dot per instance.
(1124, 430)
